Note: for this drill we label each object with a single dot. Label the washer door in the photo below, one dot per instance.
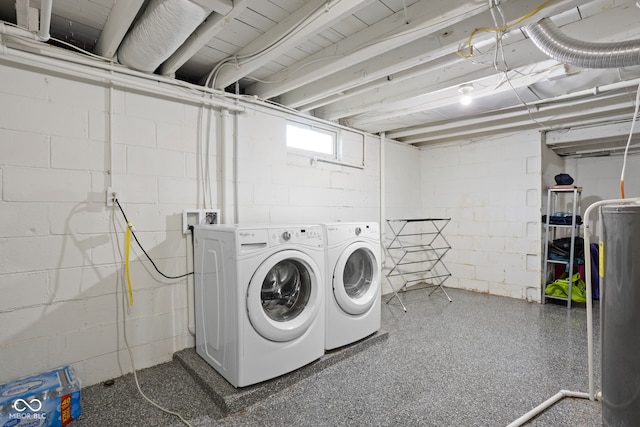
(356, 278)
(284, 296)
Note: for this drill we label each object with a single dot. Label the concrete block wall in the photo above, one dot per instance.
(491, 190)
(61, 248)
(278, 186)
(403, 183)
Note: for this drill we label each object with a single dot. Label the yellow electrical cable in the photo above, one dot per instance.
(503, 28)
(126, 262)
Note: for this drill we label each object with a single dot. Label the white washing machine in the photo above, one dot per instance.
(259, 299)
(353, 308)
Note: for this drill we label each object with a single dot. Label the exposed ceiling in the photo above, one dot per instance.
(393, 66)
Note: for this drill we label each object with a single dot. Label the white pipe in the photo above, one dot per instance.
(546, 404)
(108, 73)
(45, 25)
(227, 162)
(45, 19)
(10, 30)
(383, 225)
(111, 143)
(236, 167)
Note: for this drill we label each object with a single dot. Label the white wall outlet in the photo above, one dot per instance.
(112, 195)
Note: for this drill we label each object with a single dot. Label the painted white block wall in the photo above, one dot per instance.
(403, 196)
(491, 190)
(277, 186)
(61, 281)
(60, 264)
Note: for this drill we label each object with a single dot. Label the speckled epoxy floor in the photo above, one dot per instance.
(479, 361)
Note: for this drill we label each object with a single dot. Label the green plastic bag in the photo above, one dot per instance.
(560, 288)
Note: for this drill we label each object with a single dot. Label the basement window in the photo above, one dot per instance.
(311, 139)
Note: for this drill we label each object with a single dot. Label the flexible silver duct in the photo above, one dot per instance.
(550, 40)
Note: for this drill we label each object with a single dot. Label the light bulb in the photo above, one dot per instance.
(466, 99)
(465, 91)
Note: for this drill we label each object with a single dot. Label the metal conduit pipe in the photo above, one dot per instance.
(550, 40)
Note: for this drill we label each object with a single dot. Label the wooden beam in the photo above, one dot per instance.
(413, 54)
(390, 33)
(122, 15)
(316, 15)
(201, 36)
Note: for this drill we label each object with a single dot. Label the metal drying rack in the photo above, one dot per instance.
(417, 249)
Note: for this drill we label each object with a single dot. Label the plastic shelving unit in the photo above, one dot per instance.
(417, 249)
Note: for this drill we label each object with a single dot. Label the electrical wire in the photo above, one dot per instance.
(128, 347)
(499, 56)
(626, 150)
(498, 29)
(117, 202)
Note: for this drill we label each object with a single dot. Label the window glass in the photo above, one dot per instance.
(309, 138)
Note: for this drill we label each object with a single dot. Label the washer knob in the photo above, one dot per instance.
(358, 231)
(286, 236)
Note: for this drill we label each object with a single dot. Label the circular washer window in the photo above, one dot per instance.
(286, 289)
(284, 297)
(356, 278)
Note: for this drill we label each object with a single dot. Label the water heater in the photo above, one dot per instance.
(620, 315)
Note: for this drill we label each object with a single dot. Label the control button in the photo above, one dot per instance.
(358, 231)
(286, 236)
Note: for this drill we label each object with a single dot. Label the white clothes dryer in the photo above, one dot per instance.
(259, 299)
(353, 308)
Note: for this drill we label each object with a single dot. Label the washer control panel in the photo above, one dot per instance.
(304, 235)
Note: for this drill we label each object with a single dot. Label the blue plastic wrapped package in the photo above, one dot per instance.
(50, 399)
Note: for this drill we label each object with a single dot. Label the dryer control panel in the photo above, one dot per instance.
(340, 232)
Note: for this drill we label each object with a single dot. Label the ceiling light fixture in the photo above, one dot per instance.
(465, 93)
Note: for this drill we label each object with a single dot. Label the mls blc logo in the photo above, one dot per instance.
(33, 405)
(21, 405)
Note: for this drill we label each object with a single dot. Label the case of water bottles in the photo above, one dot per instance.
(49, 399)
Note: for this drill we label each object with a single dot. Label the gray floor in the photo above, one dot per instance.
(478, 361)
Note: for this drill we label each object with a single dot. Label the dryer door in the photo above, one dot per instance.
(284, 295)
(356, 278)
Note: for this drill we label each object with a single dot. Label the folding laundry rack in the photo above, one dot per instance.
(417, 249)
